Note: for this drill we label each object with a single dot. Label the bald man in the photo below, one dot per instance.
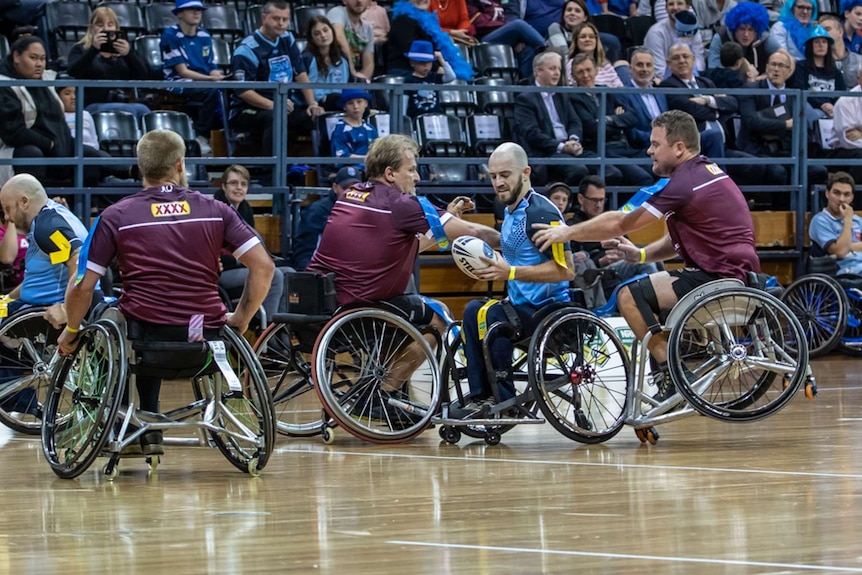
(536, 278)
(55, 236)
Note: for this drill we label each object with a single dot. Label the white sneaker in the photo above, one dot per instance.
(206, 149)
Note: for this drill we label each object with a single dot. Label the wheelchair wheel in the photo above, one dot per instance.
(27, 358)
(851, 340)
(738, 355)
(354, 363)
(818, 302)
(454, 375)
(298, 412)
(245, 417)
(579, 369)
(85, 394)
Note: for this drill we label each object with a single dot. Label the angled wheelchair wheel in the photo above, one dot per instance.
(245, 426)
(298, 412)
(818, 302)
(358, 366)
(738, 355)
(851, 339)
(85, 394)
(27, 358)
(579, 369)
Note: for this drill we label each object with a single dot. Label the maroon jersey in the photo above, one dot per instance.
(370, 242)
(708, 219)
(167, 242)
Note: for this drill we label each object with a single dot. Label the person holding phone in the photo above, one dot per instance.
(104, 53)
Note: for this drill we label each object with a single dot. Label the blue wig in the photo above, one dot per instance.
(797, 32)
(750, 14)
(431, 25)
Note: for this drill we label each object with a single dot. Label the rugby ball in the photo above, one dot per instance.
(467, 252)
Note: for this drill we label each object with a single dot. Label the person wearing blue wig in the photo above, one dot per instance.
(747, 24)
(794, 26)
(852, 10)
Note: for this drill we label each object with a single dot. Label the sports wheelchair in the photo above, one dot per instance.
(828, 304)
(736, 353)
(328, 367)
(86, 415)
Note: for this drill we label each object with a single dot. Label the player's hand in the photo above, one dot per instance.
(498, 269)
(459, 205)
(549, 235)
(237, 322)
(621, 249)
(56, 315)
(68, 342)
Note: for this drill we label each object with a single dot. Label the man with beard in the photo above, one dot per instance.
(709, 226)
(167, 240)
(535, 277)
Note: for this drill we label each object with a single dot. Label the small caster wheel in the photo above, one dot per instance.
(582, 421)
(111, 471)
(253, 469)
(648, 435)
(810, 388)
(492, 437)
(153, 462)
(327, 435)
(450, 434)
(785, 381)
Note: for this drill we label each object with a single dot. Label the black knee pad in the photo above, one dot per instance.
(646, 301)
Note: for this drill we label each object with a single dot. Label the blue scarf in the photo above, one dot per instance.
(441, 40)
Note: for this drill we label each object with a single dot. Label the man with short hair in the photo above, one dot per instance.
(709, 226)
(355, 36)
(167, 240)
(271, 54)
(837, 230)
(187, 54)
(546, 126)
(535, 278)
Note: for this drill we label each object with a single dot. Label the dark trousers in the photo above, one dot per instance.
(59, 174)
(261, 122)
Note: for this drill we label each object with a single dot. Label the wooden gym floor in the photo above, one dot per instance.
(783, 495)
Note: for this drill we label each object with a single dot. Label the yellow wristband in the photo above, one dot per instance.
(72, 329)
(643, 256)
(511, 273)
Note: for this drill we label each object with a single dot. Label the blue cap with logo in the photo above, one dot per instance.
(347, 176)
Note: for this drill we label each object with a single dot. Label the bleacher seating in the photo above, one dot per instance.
(118, 132)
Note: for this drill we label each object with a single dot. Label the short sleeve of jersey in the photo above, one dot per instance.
(675, 194)
(407, 214)
(239, 237)
(338, 15)
(822, 230)
(244, 59)
(544, 212)
(55, 237)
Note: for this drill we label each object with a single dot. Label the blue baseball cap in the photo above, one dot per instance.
(686, 23)
(347, 176)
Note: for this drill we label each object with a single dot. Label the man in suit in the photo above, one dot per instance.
(767, 121)
(639, 110)
(586, 106)
(546, 126)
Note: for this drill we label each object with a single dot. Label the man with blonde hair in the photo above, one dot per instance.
(166, 240)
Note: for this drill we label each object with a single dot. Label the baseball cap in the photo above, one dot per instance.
(686, 23)
(347, 176)
(186, 4)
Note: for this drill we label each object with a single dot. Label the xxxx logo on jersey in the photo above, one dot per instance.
(171, 209)
(356, 195)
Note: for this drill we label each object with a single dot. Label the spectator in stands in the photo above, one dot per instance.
(575, 13)
(32, 120)
(353, 134)
(377, 16)
(312, 218)
(354, 36)
(539, 15)
(547, 126)
(748, 24)
(710, 16)
(622, 8)
(817, 73)
(655, 8)
(455, 21)
(490, 24)
(25, 13)
(846, 138)
(103, 54)
(734, 70)
(837, 230)
(767, 121)
(591, 201)
(586, 41)
(586, 106)
(794, 26)
(187, 53)
(270, 54)
(560, 195)
(852, 36)
(233, 275)
(325, 62)
(411, 21)
(847, 61)
(422, 57)
(13, 250)
(681, 26)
